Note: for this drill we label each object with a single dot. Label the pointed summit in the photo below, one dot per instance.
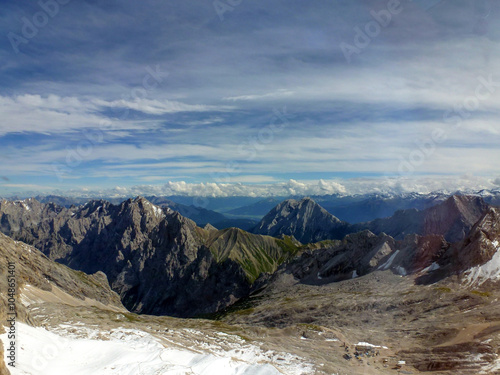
(306, 220)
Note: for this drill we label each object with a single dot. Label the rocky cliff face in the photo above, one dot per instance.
(157, 261)
(305, 220)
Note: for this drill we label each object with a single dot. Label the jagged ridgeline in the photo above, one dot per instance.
(162, 263)
(158, 261)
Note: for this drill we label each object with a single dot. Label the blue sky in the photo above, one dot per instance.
(205, 96)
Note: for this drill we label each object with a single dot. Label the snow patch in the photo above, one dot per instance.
(401, 271)
(488, 271)
(433, 267)
(387, 264)
(127, 352)
(367, 344)
(156, 210)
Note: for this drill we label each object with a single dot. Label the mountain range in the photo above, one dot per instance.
(307, 221)
(160, 262)
(245, 212)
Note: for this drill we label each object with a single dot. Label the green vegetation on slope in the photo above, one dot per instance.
(255, 253)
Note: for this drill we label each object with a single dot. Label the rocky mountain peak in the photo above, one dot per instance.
(209, 227)
(306, 220)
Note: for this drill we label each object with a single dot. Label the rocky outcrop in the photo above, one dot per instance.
(306, 220)
(477, 258)
(361, 253)
(35, 269)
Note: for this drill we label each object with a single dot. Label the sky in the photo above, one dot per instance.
(248, 97)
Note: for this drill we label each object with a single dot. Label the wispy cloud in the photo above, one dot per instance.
(268, 96)
(215, 107)
(157, 107)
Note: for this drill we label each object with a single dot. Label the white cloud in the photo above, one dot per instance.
(342, 187)
(271, 95)
(52, 113)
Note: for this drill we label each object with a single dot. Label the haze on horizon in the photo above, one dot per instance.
(211, 98)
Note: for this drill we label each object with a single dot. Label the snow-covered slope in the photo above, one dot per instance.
(122, 352)
(488, 271)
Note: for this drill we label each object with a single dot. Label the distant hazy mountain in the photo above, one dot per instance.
(257, 209)
(367, 207)
(199, 215)
(363, 208)
(352, 209)
(218, 204)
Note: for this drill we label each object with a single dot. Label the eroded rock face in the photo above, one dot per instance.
(483, 241)
(35, 269)
(361, 253)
